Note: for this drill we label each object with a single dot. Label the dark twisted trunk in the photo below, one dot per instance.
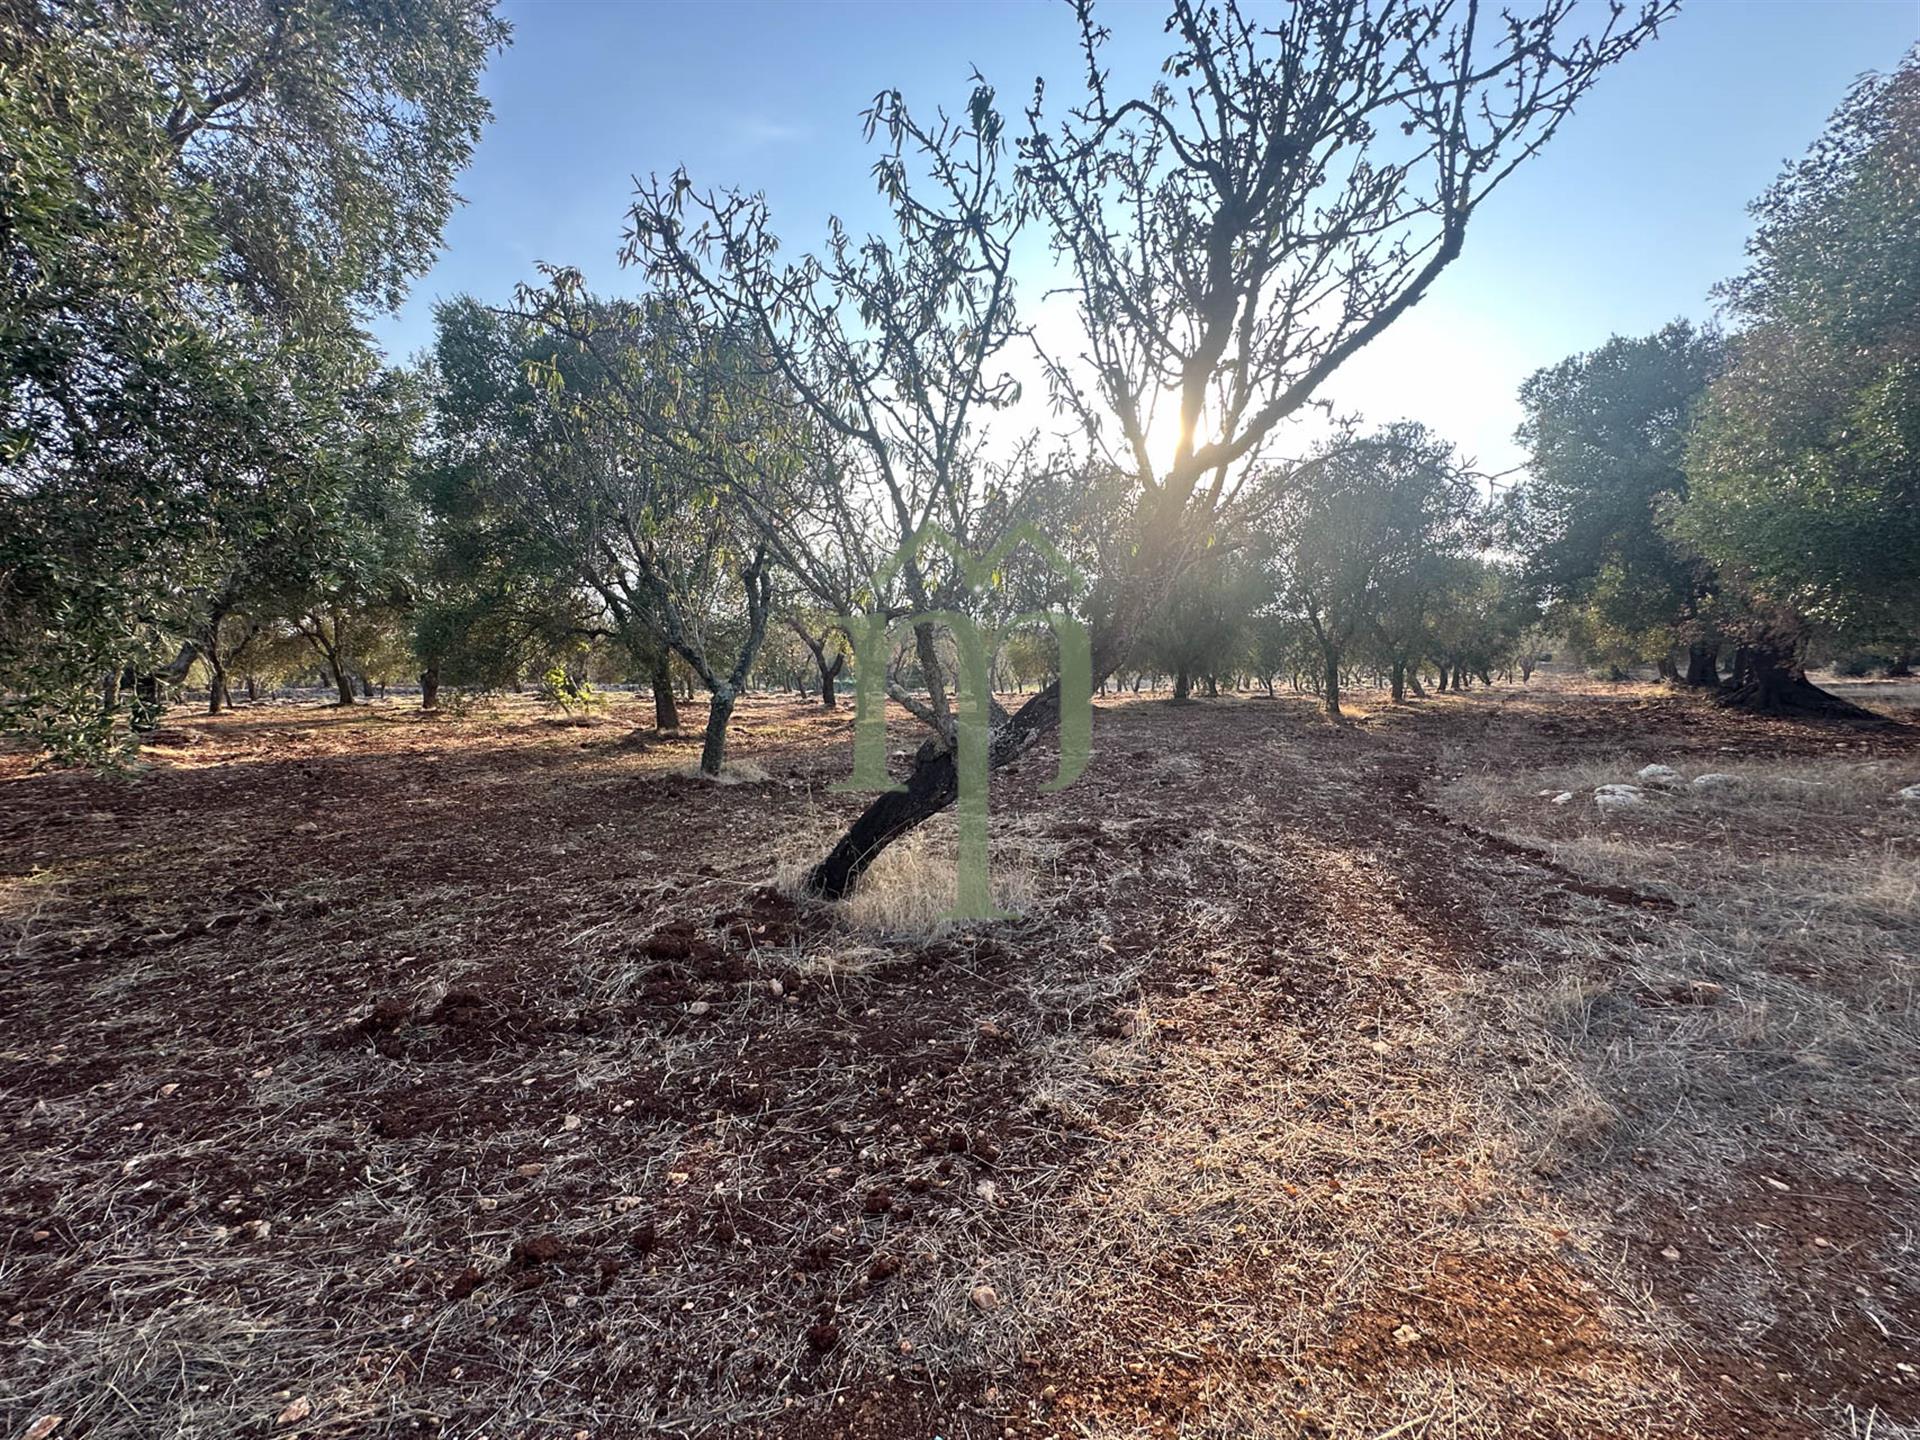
(1330, 685)
(723, 688)
(1703, 666)
(1399, 682)
(1741, 670)
(217, 699)
(934, 781)
(931, 786)
(1182, 685)
(149, 688)
(325, 642)
(666, 711)
(828, 675)
(713, 746)
(1770, 680)
(430, 688)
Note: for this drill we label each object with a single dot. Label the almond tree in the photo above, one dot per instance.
(827, 643)
(1232, 235)
(892, 350)
(647, 453)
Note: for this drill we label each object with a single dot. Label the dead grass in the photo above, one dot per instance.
(1340, 1195)
(1760, 1039)
(1277, 1110)
(908, 893)
(735, 772)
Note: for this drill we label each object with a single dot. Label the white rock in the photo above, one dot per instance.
(1565, 797)
(1662, 777)
(1715, 780)
(1911, 794)
(1619, 797)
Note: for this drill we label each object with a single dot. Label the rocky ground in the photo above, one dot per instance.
(368, 1073)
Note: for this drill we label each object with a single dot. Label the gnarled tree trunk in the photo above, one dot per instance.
(666, 710)
(1703, 665)
(931, 786)
(1769, 679)
(713, 746)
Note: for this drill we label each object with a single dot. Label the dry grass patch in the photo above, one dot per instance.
(1322, 1220)
(910, 890)
(1738, 1076)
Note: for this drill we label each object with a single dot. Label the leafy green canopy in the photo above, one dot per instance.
(1357, 525)
(1804, 469)
(198, 202)
(1606, 432)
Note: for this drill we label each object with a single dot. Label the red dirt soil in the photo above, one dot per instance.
(469, 1076)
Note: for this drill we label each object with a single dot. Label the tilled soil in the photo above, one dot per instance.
(371, 1074)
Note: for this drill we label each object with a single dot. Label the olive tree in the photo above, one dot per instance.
(1804, 464)
(1606, 433)
(1356, 530)
(204, 200)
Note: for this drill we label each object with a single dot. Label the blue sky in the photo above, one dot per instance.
(1626, 221)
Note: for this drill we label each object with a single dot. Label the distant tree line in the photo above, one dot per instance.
(692, 488)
